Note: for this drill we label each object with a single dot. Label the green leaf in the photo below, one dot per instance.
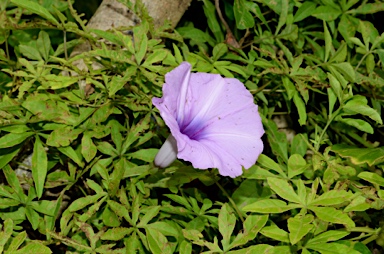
(368, 8)
(81, 203)
(156, 56)
(147, 155)
(6, 233)
(218, 51)
(275, 233)
(326, 13)
(110, 219)
(283, 15)
(332, 248)
(116, 234)
(289, 87)
(267, 162)
(119, 210)
(358, 156)
(43, 44)
(141, 42)
(149, 215)
(372, 178)
(157, 242)
(332, 98)
(7, 203)
(166, 227)
(213, 23)
(135, 131)
(39, 166)
(7, 155)
(333, 215)
(243, 17)
(194, 34)
(34, 247)
(341, 54)
(346, 69)
(70, 153)
(336, 87)
(117, 175)
(118, 82)
(306, 9)
(268, 206)
(107, 148)
(63, 136)
(296, 165)
(357, 123)
(328, 42)
(299, 146)
(256, 172)
(35, 8)
(370, 63)
(227, 223)
(30, 50)
(51, 81)
(17, 241)
(358, 204)
(300, 105)
(32, 216)
(299, 226)
(332, 197)
(185, 247)
(358, 104)
(251, 227)
(259, 249)
(14, 183)
(12, 139)
(248, 192)
(282, 188)
(328, 236)
(88, 148)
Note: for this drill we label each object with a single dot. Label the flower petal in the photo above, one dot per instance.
(167, 153)
(224, 126)
(175, 91)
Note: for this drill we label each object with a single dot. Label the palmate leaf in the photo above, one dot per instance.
(13, 245)
(299, 226)
(282, 188)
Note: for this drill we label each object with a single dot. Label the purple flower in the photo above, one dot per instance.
(214, 122)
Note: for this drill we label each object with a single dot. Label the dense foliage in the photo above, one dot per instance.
(90, 185)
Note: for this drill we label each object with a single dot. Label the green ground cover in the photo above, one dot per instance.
(90, 185)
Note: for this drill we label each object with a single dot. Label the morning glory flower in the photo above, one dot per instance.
(214, 122)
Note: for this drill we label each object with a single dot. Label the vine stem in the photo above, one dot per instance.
(230, 39)
(229, 198)
(317, 145)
